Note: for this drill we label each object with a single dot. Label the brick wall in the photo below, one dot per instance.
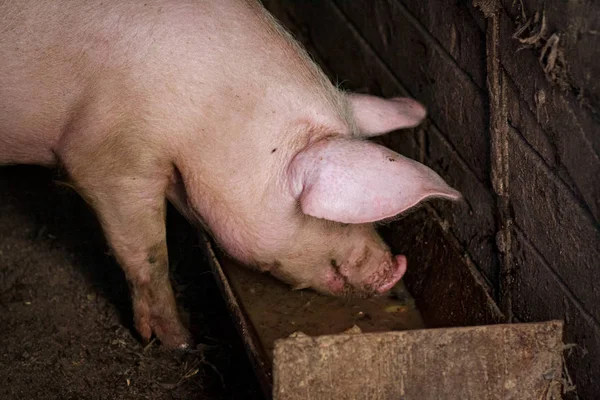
(513, 93)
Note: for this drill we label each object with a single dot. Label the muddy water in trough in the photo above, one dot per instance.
(276, 312)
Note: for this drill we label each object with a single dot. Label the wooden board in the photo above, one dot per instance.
(518, 361)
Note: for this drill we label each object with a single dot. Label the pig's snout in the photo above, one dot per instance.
(385, 275)
(396, 272)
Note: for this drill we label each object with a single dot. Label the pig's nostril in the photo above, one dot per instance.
(401, 266)
(398, 270)
(401, 262)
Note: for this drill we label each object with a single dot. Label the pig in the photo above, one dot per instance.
(212, 106)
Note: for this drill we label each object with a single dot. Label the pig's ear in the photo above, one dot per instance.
(376, 116)
(354, 181)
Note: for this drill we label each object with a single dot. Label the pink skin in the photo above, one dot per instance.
(398, 272)
(337, 284)
(211, 106)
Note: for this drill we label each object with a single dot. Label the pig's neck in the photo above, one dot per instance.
(234, 168)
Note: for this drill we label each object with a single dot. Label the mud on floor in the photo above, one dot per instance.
(65, 317)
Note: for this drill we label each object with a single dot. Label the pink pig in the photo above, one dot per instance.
(211, 105)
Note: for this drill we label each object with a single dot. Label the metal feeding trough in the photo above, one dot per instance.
(307, 346)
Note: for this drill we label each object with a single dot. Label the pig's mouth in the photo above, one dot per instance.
(337, 283)
(378, 283)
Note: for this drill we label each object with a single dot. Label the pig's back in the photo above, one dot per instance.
(211, 62)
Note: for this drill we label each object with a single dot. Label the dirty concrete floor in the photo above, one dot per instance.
(65, 315)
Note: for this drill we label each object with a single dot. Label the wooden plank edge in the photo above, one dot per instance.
(258, 359)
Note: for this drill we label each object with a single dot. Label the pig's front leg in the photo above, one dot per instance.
(132, 210)
(135, 229)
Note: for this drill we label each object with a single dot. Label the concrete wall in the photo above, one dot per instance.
(513, 93)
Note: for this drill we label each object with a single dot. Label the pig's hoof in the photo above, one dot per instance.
(179, 342)
(172, 336)
(187, 347)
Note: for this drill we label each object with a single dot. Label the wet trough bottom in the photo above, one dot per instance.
(278, 312)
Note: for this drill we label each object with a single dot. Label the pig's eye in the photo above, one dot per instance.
(335, 266)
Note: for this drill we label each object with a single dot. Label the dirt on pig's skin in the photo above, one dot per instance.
(65, 316)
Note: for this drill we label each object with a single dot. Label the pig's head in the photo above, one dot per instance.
(343, 185)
